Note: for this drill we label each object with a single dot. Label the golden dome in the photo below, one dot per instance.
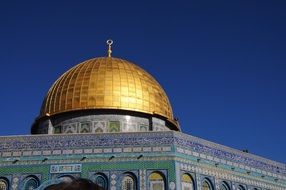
(107, 83)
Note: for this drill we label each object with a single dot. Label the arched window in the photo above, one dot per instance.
(187, 182)
(128, 183)
(31, 183)
(224, 186)
(98, 130)
(4, 185)
(101, 180)
(240, 187)
(206, 185)
(156, 181)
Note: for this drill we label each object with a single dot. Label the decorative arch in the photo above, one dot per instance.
(187, 182)
(49, 182)
(224, 186)
(129, 181)
(101, 180)
(4, 183)
(157, 181)
(31, 182)
(240, 187)
(207, 184)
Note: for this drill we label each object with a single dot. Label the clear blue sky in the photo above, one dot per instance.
(222, 63)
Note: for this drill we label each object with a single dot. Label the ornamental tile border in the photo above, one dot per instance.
(219, 151)
(225, 175)
(202, 148)
(217, 161)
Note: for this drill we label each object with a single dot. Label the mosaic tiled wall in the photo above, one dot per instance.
(114, 172)
(102, 124)
(168, 151)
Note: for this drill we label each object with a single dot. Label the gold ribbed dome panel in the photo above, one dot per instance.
(107, 83)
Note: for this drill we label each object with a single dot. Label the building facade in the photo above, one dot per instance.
(108, 120)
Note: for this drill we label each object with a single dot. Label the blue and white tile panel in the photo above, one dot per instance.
(229, 163)
(220, 174)
(37, 145)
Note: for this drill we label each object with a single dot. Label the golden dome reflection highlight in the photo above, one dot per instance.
(107, 83)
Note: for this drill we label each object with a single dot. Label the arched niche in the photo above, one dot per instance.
(157, 181)
(187, 181)
(101, 180)
(129, 181)
(31, 182)
(207, 184)
(4, 183)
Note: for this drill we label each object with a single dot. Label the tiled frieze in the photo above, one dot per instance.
(204, 148)
(76, 123)
(219, 174)
(233, 165)
(57, 145)
(94, 123)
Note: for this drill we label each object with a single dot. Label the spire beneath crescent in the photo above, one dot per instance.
(109, 43)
